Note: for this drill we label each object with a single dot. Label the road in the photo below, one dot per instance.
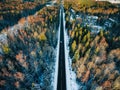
(61, 85)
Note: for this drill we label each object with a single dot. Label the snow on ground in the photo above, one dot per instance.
(14, 29)
(51, 3)
(54, 1)
(70, 75)
(3, 38)
(71, 18)
(11, 30)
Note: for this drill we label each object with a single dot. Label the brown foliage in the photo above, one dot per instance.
(17, 84)
(22, 21)
(107, 84)
(1, 59)
(2, 82)
(86, 76)
(19, 75)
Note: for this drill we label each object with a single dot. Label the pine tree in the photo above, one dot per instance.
(42, 37)
(73, 46)
(76, 56)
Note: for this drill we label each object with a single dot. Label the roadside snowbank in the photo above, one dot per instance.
(70, 75)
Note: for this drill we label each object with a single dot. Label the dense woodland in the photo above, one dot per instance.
(27, 58)
(28, 52)
(13, 10)
(95, 57)
(103, 10)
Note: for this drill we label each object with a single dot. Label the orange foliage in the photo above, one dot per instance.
(22, 21)
(32, 19)
(5, 72)
(17, 6)
(115, 53)
(19, 75)
(107, 84)
(86, 76)
(21, 59)
(19, 56)
(17, 84)
(2, 82)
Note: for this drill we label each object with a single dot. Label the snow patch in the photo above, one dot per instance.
(70, 75)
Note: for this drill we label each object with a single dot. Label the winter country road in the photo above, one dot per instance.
(65, 77)
(61, 85)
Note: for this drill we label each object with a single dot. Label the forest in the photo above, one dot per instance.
(95, 56)
(27, 55)
(59, 45)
